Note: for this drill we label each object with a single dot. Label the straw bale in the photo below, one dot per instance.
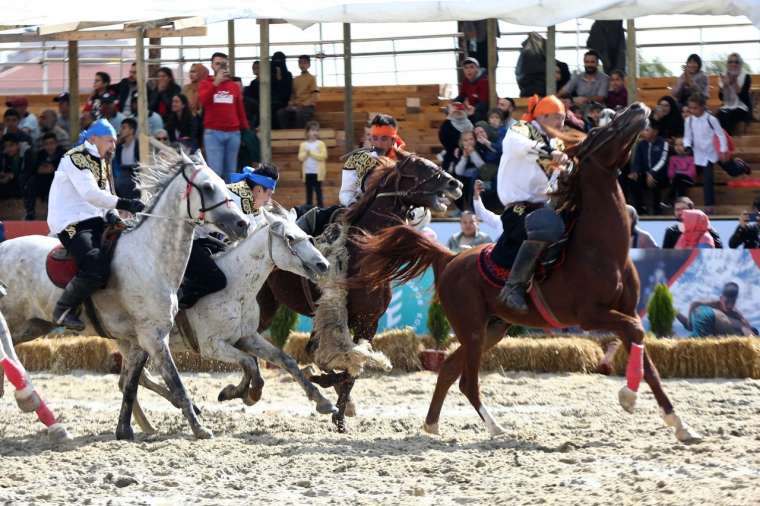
(295, 346)
(68, 353)
(559, 354)
(192, 362)
(401, 347)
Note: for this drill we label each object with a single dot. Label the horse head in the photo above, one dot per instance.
(290, 248)
(422, 183)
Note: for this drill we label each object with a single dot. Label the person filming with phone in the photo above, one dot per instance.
(747, 234)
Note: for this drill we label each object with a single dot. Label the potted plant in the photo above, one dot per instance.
(283, 322)
(439, 327)
(661, 311)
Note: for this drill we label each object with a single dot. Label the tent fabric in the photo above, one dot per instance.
(305, 12)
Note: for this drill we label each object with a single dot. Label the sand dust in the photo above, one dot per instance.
(568, 443)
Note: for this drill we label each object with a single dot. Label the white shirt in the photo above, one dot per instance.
(349, 188)
(520, 177)
(488, 218)
(30, 123)
(310, 165)
(698, 135)
(75, 195)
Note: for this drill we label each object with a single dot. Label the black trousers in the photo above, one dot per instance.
(202, 275)
(37, 187)
(313, 186)
(512, 237)
(86, 246)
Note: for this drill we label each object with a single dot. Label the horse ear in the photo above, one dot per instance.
(184, 156)
(292, 214)
(199, 158)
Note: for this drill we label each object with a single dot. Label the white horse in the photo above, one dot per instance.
(139, 303)
(224, 325)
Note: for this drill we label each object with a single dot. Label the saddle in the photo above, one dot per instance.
(60, 265)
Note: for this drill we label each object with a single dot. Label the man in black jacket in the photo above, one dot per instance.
(673, 232)
(747, 234)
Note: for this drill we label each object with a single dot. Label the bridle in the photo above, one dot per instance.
(188, 190)
(414, 191)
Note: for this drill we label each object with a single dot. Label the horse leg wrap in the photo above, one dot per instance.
(45, 415)
(17, 377)
(635, 370)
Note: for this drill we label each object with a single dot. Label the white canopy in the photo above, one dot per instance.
(305, 12)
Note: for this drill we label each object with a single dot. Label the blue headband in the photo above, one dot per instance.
(248, 174)
(101, 128)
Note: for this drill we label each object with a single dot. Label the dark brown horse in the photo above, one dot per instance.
(391, 191)
(596, 287)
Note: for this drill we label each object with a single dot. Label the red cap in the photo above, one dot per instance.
(17, 102)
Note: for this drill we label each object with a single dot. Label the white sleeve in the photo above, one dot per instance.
(663, 158)
(85, 184)
(688, 134)
(349, 185)
(488, 218)
(514, 147)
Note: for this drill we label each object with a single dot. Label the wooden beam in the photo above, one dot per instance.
(551, 64)
(143, 130)
(231, 46)
(492, 30)
(348, 101)
(73, 54)
(265, 93)
(7, 38)
(192, 22)
(632, 61)
(73, 26)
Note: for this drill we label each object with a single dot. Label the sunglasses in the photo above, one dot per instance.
(733, 61)
(162, 138)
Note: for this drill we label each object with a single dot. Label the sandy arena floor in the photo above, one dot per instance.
(569, 443)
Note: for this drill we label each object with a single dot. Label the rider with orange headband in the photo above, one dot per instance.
(530, 153)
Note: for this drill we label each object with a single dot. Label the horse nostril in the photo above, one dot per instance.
(242, 224)
(322, 267)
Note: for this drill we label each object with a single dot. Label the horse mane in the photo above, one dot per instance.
(567, 196)
(375, 180)
(153, 179)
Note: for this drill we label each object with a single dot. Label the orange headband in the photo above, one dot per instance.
(383, 130)
(539, 107)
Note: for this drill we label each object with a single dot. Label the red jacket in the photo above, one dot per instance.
(476, 91)
(222, 105)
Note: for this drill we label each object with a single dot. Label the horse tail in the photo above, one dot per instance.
(399, 253)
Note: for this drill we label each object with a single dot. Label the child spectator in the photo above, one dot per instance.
(15, 166)
(681, 170)
(160, 100)
(99, 86)
(593, 112)
(617, 96)
(734, 92)
(692, 81)
(11, 120)
(300, 110)
(27, 121)
(698, 135)
(466, 167)
(696, 231)
(181, 125)
(668, 119)
(38, 184)
(572, 115)
(450, 131)
(473, 92)
(312, 153)
(650, 167)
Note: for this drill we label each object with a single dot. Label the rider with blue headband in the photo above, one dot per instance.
(251, 189)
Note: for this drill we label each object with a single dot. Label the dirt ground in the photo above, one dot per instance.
(568, 443)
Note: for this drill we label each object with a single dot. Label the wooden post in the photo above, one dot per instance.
(551, 64)
(73, 53)
(231, 45)
(142, 96)
(492, 29)
(348, 99)
(265, 94)
(632, 61)
(154, 55)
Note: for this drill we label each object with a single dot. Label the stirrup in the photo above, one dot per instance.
(70, 320)
(515, 297)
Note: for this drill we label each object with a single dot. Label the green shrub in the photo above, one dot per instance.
(283, 322)
(661, 311)
(438, 325)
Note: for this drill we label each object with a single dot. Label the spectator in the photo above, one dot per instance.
(15, 166)
(313, 153)
(673, 232)
(49, 124)
(252, 90)
(650, 167)
(691, 81)
(469, 236)
(593, 113)
(109, 110)
(198, 73)
(685, 112)
(40, 179)
(223, 117)
(126, 159)
(85, 120)
(696, 231)
(668, 119)
(155, 123)
(747, 234)
(11, 120)
(572, 115)
(591, 85)
(719, 317)
(99, 86)
(282, 86)
(734, 92)
(450, 131)
(466, 168)
(485, 215)
(488, 145)
(160, 101)
(28, 121)
(126, 88)
(63, 110)
(161, 136)
(561, 75)
(473, 92)
(181, 125)
(698, 135)
(681, 170)
(617, 96)
(640, 238)
(507, 107)
(300, 110)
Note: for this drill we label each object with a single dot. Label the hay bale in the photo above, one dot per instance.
(192, 362)
(37, 355)
(295, 346)
(561, 354)
(64, 354)
(401, 347)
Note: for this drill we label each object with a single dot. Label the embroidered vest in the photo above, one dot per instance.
(242, 190)
(529, 130)
(362, 161)
(100, 169)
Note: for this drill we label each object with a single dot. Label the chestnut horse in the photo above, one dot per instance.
(391, 191)
(596, 288)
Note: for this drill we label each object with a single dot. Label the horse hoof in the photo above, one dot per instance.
(340, 423)
(497, 431)
(227, 393)
(28, 402)
(350, 409)
(57, 433)
(325, 407)
(125, 434)
(255, 392)
(431, 428)
(203, 433)
(687, 435)
(627, 399)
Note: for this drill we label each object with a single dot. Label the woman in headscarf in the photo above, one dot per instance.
(282, 85)
(696, 231)
(667, 118)
(734, 92)
(451, 130)
(198, 72)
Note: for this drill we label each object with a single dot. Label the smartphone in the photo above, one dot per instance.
(752, 216)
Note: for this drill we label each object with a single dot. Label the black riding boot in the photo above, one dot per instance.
(513, 293)
(65, 312)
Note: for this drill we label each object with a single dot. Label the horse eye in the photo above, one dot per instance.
(208, 187)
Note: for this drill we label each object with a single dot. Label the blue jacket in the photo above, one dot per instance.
(651, 157)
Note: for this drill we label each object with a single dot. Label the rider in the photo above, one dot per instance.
(250, 190)
(522, 184)
(81, 202)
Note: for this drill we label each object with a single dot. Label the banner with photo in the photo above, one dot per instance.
(692, 275)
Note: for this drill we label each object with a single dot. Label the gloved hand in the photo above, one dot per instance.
(134, 206)
(113, 219)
